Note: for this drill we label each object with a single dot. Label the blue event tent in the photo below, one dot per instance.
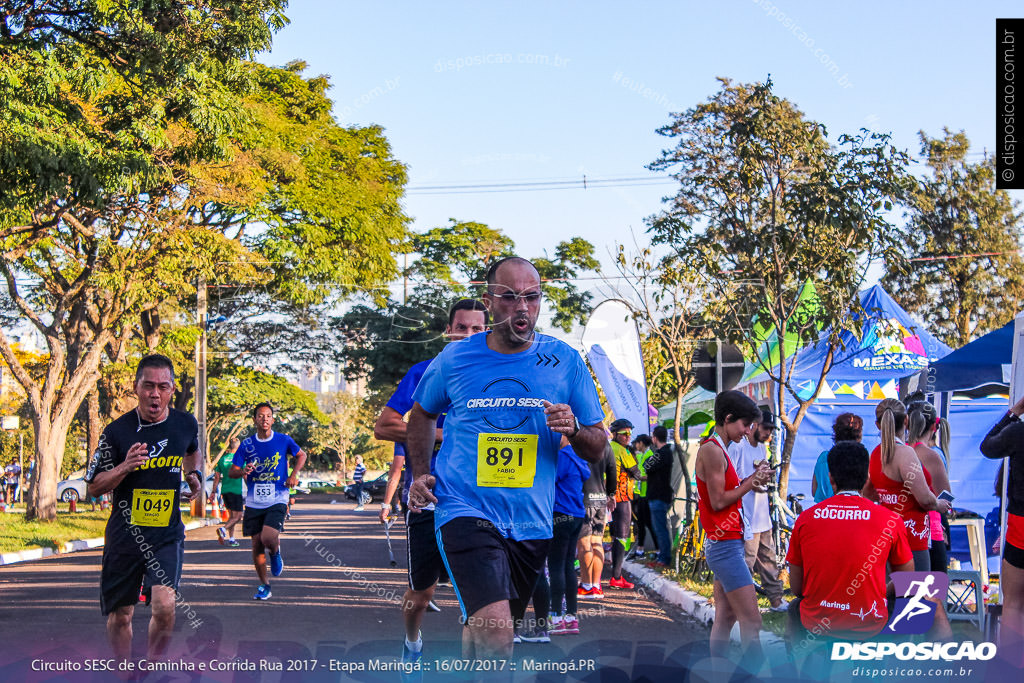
(893, 345)
(864, 372)
(980, 368)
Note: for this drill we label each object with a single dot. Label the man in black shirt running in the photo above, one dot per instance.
(141, 458)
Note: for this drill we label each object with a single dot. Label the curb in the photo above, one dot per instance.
(75, 546)
(697, 606)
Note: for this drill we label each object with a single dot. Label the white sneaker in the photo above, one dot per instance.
(781, 607)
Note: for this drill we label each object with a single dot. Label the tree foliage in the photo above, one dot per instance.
(381, 343)
(766, 204)
(965, 275)
(141, 152)
(668, 303)
(236, 390)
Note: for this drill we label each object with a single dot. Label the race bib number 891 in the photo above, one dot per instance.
(506, 460)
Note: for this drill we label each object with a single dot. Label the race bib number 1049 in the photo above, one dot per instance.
(506, 460)
(152, 507)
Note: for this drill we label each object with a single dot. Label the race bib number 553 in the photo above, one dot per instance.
(152, 507)
(506, 460)
(263, 492)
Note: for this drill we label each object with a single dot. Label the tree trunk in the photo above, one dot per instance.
(119, 398)
(787, 454)
(93, 422)
(787, 450)
(186, 385)
(677, 434)
(50, 441)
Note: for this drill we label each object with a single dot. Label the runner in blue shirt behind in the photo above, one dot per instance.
(510, 395)
(263, 459)
(467, 317)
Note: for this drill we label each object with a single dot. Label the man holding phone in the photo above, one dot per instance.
(746, 454)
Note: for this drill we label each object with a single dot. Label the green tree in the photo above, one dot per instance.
(965, 276)
(766, 204)
(453, 257)
(235, 391)
(348, 433)
(381, 343)
(667, 301)
(142, 152)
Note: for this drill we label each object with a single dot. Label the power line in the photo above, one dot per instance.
(583, 182)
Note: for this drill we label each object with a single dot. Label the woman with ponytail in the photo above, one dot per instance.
(923, 424)
(898, 481)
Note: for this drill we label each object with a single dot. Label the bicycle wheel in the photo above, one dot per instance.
(686, 553)
(782, 548)
(701, 571)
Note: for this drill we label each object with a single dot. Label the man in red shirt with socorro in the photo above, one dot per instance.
(837, 557)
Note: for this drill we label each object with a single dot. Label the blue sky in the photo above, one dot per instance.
(473, 92)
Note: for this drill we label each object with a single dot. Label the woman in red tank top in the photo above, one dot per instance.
(897, 480)
(923, 426)
(720, 494)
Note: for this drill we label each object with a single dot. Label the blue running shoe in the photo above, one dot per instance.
(276, 563)
(412, 671)
(263, 592)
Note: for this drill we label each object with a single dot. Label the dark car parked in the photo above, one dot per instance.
(372, 490)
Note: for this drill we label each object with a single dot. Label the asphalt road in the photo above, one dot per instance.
(336, 603)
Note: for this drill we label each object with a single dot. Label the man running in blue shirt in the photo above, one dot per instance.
(263, 460)
(510, 395)
(467, 317)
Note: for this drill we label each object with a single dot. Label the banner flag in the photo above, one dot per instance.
(612, 343)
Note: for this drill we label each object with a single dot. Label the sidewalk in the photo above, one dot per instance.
(696, 606)
(75, 546)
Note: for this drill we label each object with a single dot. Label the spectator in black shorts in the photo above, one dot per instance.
(1006, 440)
(598, 501)
(141, 458)
(622, 514)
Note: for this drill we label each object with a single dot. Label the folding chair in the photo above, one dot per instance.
(965, 599)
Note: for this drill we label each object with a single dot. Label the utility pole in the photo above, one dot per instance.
(718, 366)
(204, 447)
(405, 278)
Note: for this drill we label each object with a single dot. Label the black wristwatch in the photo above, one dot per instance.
(199, 475)
(576, 420)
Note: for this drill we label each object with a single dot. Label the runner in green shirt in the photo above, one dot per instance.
(230, 493)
